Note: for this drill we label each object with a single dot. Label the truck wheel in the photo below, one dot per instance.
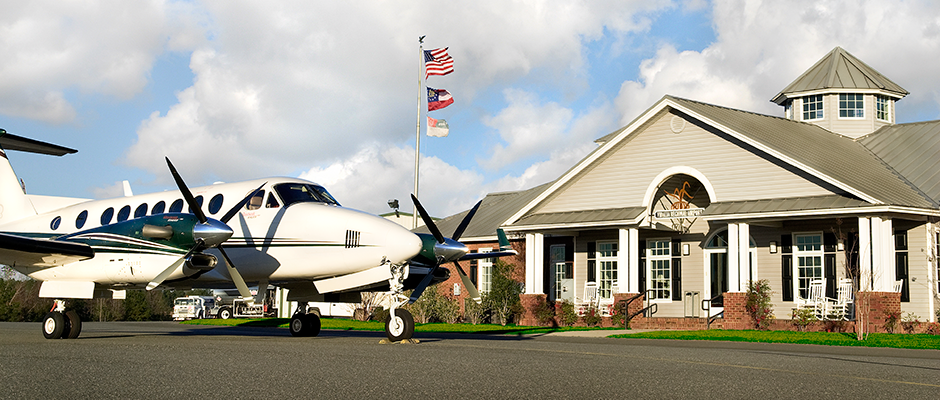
(400, 326)
(225, 313)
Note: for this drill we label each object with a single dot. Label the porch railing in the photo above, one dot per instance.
(707, 307)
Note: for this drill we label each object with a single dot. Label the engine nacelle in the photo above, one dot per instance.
(202, 261)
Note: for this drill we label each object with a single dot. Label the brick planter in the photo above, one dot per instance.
(531, 302)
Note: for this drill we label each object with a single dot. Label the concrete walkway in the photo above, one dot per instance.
(597, 332)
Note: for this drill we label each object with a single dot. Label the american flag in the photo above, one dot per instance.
(437, 62)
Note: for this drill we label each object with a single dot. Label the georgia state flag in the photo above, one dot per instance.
(438, 99)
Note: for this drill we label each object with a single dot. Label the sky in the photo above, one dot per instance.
(329, 91)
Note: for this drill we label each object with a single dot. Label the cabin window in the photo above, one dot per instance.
(158, 208)
(124, 214)
(80, 220)
(883, 108)
(107, 215)
(272, 202)
(256, 201)
(177, 206)
(140, 211)
(808, 253)
(199, 200)
(215, 204)
(812, 107)
(851, 105)
(55, 223)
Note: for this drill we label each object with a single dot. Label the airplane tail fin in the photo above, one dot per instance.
(13, 202)
(503, 241)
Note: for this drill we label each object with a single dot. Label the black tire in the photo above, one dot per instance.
(75, 325)
(400, 326)
(225, 313)
(53, 325)
(314, 322)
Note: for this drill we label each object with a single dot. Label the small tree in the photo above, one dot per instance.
(758, 304)
(473, 312)
(503, 298)
(425, 308)
(448, 310)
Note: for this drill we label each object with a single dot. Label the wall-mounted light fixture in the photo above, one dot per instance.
(773, 247)
(685, 249)
(841, 245)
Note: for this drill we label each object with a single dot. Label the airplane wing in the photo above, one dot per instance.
(21, 250)
(492, 254)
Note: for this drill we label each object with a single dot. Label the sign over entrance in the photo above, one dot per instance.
(676, 206)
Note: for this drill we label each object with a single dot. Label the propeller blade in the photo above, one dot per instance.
(415, 294)
(236, 277)
(468, 284)
(427, 220)
(167, 272)
(193, 205)
(231, 213)
(466, 221)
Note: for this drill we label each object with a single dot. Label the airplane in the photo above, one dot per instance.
(284, 232)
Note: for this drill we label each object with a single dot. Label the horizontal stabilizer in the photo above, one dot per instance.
(12, 142)
(492, 254)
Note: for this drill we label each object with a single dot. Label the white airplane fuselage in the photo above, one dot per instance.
(276, 238)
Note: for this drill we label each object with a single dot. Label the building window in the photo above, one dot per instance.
(659, 258)
(486, 272)
(809, 254)
(851, 105)
(883, 108)
(812, 107)
(607, 268)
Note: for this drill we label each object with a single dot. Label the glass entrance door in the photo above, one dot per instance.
(718, 264)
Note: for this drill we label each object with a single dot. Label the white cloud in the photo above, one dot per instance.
(762, 46)
(105, 47)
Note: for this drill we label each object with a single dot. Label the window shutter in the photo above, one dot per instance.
(829, 263)
(592, 263)
(641, 275)
(677, 270)
(474, 272)
(786, 266)
(902, 271)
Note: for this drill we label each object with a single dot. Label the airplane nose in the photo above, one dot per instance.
(213, 232)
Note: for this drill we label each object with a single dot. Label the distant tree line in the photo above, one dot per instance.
(20, 301)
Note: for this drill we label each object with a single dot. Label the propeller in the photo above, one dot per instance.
(446, 250)
(208, 233)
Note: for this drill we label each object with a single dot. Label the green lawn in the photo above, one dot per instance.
(919, 341)
(904, 341)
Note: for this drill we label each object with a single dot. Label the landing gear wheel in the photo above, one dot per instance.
(400, 326)
(305, 325)
(53, 325)
(75, 325)
(225, 313)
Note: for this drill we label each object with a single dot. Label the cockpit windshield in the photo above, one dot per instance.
(303, 193)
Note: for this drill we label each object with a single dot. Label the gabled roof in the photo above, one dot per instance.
(839, 70)
(832, 158)
(494, 210)
(912, 150)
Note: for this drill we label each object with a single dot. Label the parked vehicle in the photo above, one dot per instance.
(193, 307)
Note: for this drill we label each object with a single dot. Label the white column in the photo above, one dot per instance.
(624, 253)
(931, 270)
(634, 260)
(883, 262)
(864, 253)
(534, 263)
(743, 255)
(734, 270)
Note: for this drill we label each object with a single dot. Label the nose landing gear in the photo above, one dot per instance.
(59, 324)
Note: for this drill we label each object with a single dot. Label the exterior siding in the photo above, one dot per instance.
(735, 173)
(919, 249)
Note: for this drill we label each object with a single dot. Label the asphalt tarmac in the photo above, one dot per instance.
(170, 361)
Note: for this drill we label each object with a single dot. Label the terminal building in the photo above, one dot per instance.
(693, 200)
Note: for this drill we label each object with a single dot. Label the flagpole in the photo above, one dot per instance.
(414, 213)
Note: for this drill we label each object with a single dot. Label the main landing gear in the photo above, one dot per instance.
(400, 325)
(61, 324)
(304, 324)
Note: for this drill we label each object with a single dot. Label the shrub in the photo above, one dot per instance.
(545, 313)
(758, 305)
(933, 328)
(909, 322)
(591, 317)
(448, 310)
(380, 314)
(802, 317)
(891, 321)
(835, 326)
(568, 316)
(473, 312)
(503, 298)
(617, 313)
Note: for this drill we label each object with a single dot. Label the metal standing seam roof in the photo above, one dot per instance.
(836, 156)
(913, 150)
(782, 205)
(495, 209)
(839, 70)
(584, 216)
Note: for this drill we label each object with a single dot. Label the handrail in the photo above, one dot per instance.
(707, 307)
(625, 305)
